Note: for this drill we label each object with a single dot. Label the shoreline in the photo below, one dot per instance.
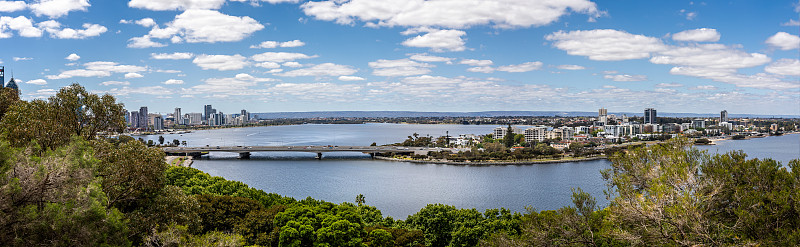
(490, 163)
(185, 161)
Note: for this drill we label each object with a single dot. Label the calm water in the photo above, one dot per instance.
(780, 148)
(399, 188)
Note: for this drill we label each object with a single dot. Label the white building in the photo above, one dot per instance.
(500, 132)
(538, 133)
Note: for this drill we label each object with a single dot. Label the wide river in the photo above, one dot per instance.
(399, 189)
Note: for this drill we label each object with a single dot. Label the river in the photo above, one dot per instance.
(399, 189)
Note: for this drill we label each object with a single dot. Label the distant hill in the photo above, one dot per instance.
(394, 114)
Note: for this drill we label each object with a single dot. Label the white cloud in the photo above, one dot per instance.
(168, 71)
(152, 90)
(21, 24)
(97, 69)
(784, 41)
(325, 69)
(73, 57)
(220, 62)
(280, 57)
(626, 77)
(317, 91)
(238, 85)
(571, 67)
(482, 69)
(44, 93)
(698, 35)
(133, 75)
(89, 30)
(705, 87)
(173, 82)
(399, 67)
(451, 14)
(268, 65)
(146, 22)
(606, 44)
(37, 82)
(669, 85)
(109, 83)
(428, 58)
(715, 56)
(22, 58)
(760, 80)
(475, 62)
(12, 6)
(173, 56)
(274, 44)
(79, 73)
(292, 64)
(200, 25)
(791, 23)
(439, 40)
(790, 67)
(160, 5)
(143, 42)
(350, 78)
(58, 8)
(523, 67)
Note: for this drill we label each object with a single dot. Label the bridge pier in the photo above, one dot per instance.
(319, 156)
(244, 155)
(372, 155)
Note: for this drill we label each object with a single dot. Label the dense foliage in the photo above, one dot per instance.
(66, 185)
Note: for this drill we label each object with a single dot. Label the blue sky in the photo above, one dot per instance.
(417, 55)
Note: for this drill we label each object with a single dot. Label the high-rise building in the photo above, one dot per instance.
(602, 116)
(723, 116)
(143, 117)
(158, 123)
(245, 116)
(207, 111)
(194, 118)
(134, 119)
(2, 76)
(650, 116)
(177, 116)
(13, 85)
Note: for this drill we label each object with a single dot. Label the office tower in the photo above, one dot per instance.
(2, 76)
(723, 116)
(206, 111)
(602, 116)
(650, 116)
(245, 116)
(143, 117)
(134, 119)
(177, 117)
(158, 123)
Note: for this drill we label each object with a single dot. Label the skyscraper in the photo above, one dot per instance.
(2, 76)
(245, 116)
(650, 116)
(206, 111)
(134, 119)
(143, 117)
(178, 118)
(723, 116)
(602, 116)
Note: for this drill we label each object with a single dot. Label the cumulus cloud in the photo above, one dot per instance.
(173, 82)
(73, 57)
(438, 40)
(350, 78)
(784, 41)
(760, 80)
(424, 57)
(669, 85)
(292, 64)
(97, 69)
(475, 62)
(133, 75)
(606, 44)
(220, 62)
(111, 83)
(199, 26)
(482, 69)
(12, 6)
(37, 82)
(172, 56)
(241, 84)
(325, 69)
(523, 67)
(698, 35)
(89, 30)
(399, 67)
(161, 5)
(146, 22)
(57, 8)
(571, 67)
(626, 77)
(22, 58)
(275, 44)
(23, 25)
(790, 67)
(279, 57)
(268, 65)
(152, 90)
(465, 13)
(714, 56)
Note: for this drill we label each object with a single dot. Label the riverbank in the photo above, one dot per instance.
(490, 163)
(185, 161)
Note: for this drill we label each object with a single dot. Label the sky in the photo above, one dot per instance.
(411, 55)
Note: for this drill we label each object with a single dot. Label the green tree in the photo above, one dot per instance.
(161, 140)
(8, 97)
(176, 142)
(380, 238)
(360, 199)
(508, 139)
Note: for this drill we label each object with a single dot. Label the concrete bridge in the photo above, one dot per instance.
(244, 151)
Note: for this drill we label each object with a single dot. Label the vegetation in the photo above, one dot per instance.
(67, 185)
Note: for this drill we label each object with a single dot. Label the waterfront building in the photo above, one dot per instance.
(245, 116)
(773, 127)
(650, 116)
(698, 123)
(602, 116)
(500, 132)
(134, 119)
(671, 128)
(726, 125)
(151, 118)
(538, 133)
(723, 116)
(143, 121)
(564, 132)
(685, 126)
(194, 118)
(158, 122)
(13, 85)
(177, 116)
(207, 111)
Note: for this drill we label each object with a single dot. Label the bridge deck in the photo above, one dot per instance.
(311, 149)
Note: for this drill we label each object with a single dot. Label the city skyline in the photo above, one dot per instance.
(298, 56)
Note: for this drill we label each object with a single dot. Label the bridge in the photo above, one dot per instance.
(244, 151)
